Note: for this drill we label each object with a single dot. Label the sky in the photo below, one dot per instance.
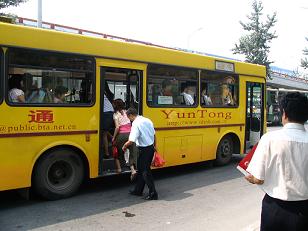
(207, 26)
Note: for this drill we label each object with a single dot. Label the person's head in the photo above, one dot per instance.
(46, 84)
(16, 81)
(166, 83)
(294, 108)
(132, 113)
(167, 87)
(28, 82)
(60, 92)
(184, 87)
(225, 89)
(118, 105)
(190, 87)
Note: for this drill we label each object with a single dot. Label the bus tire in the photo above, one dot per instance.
(58, 174)
(224, 151)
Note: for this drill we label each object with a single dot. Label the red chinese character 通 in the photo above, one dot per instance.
(41, 116)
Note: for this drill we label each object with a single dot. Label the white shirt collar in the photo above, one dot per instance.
(294, 126)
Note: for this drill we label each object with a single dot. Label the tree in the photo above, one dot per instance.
(255, 45)
(11, 18)
(304, 62)
(7, 3)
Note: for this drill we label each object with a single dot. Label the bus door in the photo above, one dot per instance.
(117, 82)
(254, 113)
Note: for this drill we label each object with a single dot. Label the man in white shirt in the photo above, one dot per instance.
(188, 99)
(143, 134)
(280, 166)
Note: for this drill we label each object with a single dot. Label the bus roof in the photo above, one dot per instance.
(46, 39)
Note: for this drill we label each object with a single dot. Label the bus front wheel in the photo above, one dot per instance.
(224, 151)
(58, 174)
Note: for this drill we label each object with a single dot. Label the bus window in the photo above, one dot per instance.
(218, 89)
(133, 88)
(171, 86)
(50, 78)
(124, 84)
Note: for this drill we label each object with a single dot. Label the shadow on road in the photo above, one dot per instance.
(107, 194)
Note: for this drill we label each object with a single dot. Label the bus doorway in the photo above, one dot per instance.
(116, 83)
(254, 113)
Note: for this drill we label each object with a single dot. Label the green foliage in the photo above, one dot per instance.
(255, 45)
(11, 18)
(7, 3)
(304, 61)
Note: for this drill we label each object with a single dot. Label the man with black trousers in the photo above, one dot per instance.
(143, 134)
(280, 166)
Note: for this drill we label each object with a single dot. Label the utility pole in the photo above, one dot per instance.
(39, 13)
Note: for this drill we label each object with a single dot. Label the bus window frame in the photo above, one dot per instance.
(74, 105)
(2, 74)
(196, 103)
(225, 73)
(139, 79)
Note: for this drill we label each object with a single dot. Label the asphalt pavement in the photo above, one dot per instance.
(192, 197)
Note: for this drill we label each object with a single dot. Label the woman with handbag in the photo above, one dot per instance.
(120, 136)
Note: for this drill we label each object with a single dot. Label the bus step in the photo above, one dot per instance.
(113, 172)
(107, 167)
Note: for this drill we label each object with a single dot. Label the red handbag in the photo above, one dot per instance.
(157, 161)
(115, 152)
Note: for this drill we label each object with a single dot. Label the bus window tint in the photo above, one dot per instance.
(218, 89)
(124, 84)
(51, 78)
(171, 86)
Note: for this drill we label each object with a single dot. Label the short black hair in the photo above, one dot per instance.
(15, 81)
(131, 111)
(183, 86)
(60, 90)
(166, 83)
(295, 106)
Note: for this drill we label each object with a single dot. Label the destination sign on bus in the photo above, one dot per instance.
(224, 66)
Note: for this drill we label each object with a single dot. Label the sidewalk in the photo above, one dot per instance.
(253, 227)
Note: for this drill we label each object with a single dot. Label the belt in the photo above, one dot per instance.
(141, 147)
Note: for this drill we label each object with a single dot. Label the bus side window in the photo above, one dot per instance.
(44, 71)
(171, 86)
(218, 89)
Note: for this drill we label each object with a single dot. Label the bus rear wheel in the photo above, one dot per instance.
(58, 174)
(224, 151)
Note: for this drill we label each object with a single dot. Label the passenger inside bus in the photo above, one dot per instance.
(84, 91)
(60, 93)
(226, 97)
(108, 123)
(16, 94)
(132, 101)
(41, 95)
(228, 91)
(187, 93)
(155, 93)
(166, 88)
(205, 99)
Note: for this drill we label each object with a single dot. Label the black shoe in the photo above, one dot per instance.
(152, 196)
(134, 193)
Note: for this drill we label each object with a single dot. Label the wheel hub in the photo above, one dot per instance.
(60, 174)
(226, 149)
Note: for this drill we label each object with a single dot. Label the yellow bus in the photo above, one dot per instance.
(52, 98)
